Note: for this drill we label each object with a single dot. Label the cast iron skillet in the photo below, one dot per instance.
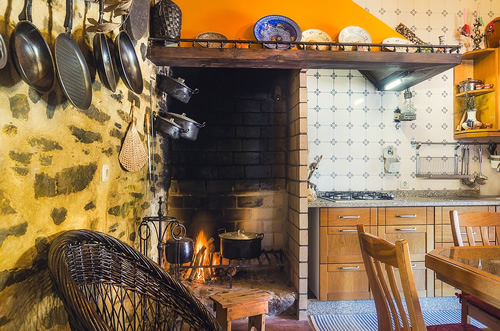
(73, 72)
(103, 58)
(127, 62)
(31, 54)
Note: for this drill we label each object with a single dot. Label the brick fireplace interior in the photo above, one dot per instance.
(248, 167)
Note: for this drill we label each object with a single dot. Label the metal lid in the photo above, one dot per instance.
(241, 235)
(183, 117)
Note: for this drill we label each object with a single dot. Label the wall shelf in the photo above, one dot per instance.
(379, 67)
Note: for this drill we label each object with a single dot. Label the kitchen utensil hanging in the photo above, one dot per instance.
(31, 54)
(132, 154)
(72, 69)
(438, 167)
(128, 63)
(3, 53)
(176, 88)
(138, 19)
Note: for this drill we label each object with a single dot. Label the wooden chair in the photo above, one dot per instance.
(488, 226)
(107, 285)
(381, 258)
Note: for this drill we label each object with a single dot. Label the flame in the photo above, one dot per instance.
(201, 241)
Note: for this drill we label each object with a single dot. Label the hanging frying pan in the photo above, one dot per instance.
(73, 72)
(31, 54)
(128, 63)
(3, 53)
(104, 60)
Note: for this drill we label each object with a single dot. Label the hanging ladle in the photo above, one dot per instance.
(480, 178)
(469, 181)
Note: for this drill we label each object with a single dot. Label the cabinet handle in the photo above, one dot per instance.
(406, 229)
(349, 268)
(349, 217)
(407, 216)
(413, 266)
(465, 233)
(345, 230)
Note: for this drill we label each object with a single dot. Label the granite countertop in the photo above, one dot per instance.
(417, 199)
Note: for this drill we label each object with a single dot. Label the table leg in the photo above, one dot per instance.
(257, 321)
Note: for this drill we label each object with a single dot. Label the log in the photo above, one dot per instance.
(197, 261)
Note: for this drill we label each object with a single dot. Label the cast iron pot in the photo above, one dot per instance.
(190, 127)
(176, 88)
(168, 127)
(240, 244)
(179, 251)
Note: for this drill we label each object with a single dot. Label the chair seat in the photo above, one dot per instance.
(481, 305)
(452, 327)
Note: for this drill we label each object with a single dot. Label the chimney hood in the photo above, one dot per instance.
(379, 67)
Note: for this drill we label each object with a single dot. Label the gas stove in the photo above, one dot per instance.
(354, 195)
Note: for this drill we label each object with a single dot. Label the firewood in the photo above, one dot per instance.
(197, 261)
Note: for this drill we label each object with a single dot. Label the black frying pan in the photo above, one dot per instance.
(128, 63)
(73, 72)
(30, 53)
(104, 60)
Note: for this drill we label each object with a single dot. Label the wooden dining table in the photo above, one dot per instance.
(472, 269)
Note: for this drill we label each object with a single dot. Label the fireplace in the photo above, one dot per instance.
(244, 169)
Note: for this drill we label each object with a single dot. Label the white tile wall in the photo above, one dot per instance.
(350, 122)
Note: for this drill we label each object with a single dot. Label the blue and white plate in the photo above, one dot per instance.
(277, 28)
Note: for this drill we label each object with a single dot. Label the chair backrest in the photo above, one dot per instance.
(381, 258)
(107, 285)
(487, 223)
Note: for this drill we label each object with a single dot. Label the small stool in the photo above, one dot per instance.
(239, 304)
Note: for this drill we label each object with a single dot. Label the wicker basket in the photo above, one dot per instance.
(166, 20)
(132, 155)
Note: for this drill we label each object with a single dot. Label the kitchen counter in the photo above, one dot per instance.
(412, 201)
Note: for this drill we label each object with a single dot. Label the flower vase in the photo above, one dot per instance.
(471, 122)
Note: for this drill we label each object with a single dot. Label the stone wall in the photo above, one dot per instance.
(51, 156)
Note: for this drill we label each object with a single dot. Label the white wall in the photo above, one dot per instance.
(350, 122)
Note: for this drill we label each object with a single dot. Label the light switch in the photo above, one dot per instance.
(105, 173)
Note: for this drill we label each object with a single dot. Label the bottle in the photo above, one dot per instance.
(408, 110)
(397, 114)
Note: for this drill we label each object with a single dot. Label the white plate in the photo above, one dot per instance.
(354, 34)
(398, 41)
(315, 35)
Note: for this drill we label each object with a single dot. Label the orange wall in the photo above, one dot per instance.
(235, 19)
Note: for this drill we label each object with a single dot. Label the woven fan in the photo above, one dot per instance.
(132, 155)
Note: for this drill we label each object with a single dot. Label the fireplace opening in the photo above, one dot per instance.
(233, 176)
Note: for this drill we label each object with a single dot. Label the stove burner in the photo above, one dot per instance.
(354, 195)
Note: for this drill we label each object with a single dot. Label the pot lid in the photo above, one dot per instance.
(171, 121)
(241, 235)
(183, 117)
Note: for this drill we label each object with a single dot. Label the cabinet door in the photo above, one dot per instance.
(340, 244)
(416, 235)
(347, 281)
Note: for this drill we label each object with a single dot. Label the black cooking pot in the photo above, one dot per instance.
(179, 251)
(240, 244)
(190, 127)
(176, 88)
(168, 127)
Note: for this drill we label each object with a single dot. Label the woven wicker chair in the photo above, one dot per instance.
(107, 285)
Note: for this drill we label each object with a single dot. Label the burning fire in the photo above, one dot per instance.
(204, 250)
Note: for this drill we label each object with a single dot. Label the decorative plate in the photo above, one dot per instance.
(354, 34)
(277, 28)
(211, 35)
(398, 41)
(315, 35)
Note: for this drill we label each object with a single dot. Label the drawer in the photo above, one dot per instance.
(345, 281)
(349, 216)
(420, 275)
(416, 235)
(406, 215)
(340, 244)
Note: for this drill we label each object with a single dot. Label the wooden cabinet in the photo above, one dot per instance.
(342, 274)
(415, 225)
(484, 65)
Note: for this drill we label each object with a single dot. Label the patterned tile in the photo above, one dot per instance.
(355, 121)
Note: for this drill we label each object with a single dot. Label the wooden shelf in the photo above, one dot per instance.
(476, 133)
(378, 67)
(476, 92)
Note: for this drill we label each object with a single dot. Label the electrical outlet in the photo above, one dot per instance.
(404, 183)
(105, 173)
